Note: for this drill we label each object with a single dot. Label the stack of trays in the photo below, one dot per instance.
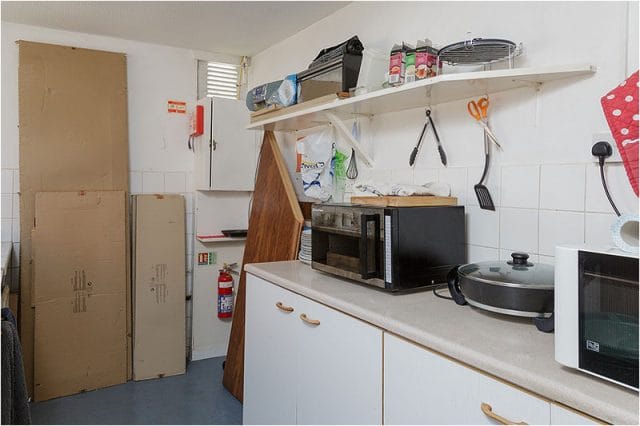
(305, 246)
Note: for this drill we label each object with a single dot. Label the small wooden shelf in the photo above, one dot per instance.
(209, 239)
(432, 91)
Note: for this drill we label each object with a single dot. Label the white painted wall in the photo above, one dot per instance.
(544, 182)
(159, 160)
(215, 210)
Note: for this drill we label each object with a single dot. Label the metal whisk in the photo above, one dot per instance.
(352, 169)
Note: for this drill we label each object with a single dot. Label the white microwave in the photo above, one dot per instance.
(596, 312)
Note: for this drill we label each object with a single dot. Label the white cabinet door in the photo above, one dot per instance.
(234, 149)
(339, 368)
(300, 373)
(421, 387)
(269, 354)
(562, 416)
(226, 153)
(202, 156)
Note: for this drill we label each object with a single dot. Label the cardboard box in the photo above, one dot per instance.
(73, 136)
(159, 286)
(80, 292)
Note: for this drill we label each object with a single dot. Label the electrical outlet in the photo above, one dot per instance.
(606, 136)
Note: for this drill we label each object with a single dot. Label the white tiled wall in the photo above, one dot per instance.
(544, 182)
(562, 187)
(537, 206)
(10, 220)
(519, 229)
(520, 186)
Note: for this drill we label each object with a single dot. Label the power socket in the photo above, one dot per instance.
(615, 155)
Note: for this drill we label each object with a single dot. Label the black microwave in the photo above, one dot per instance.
(392, 248)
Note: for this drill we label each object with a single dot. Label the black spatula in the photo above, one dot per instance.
(482, 192)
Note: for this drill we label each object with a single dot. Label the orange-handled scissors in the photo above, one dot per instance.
(478, 110)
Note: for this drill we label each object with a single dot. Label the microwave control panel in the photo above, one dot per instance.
(342, 217)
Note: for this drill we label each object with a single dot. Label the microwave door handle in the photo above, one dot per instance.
(365, 271)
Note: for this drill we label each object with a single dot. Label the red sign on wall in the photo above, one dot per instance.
(177, 107)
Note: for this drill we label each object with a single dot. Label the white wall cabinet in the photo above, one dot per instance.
(226, 153)
(297, 372)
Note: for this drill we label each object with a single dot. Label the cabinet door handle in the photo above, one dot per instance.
(284, 308)
(488, 411)
(308, 320)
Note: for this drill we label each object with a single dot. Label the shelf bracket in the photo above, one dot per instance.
(335, 120)
(361, 114)
(536, 85)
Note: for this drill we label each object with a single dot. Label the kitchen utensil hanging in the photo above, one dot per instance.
(478, 110)
(352, 168)
(428, 121)
(480, 51)
(482, 192)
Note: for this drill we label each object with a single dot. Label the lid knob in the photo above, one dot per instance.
(519, 258)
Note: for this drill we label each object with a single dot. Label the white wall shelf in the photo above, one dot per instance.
(432, 91)
(213, 239)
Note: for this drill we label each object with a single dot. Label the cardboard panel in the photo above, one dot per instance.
(159, 286)
(74, 354)
(73, 136)
(80, 281)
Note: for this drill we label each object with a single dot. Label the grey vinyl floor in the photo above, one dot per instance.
(196, 397)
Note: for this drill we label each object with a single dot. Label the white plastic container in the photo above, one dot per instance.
(373, 70)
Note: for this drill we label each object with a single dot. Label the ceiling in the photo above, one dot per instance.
(230, 27)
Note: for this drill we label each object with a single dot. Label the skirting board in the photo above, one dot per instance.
(208, 353)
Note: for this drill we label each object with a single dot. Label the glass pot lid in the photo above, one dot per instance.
(517, 272)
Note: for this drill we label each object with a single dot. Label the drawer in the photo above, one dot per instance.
(563, 416)
(421, 387)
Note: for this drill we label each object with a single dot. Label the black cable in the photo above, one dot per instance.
(606, 189)
(603, 150)
(439, 295)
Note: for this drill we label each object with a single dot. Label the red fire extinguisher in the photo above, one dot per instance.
(225, 291)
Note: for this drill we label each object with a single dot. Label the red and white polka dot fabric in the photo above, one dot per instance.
(620, 107)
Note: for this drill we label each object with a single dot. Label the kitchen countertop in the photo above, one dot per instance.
(509, 348)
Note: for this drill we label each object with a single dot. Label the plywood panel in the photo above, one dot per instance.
(73, 136)
(274, 233)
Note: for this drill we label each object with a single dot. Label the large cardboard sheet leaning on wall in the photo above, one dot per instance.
(73, 136)
(80, 280)
(159, 286)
